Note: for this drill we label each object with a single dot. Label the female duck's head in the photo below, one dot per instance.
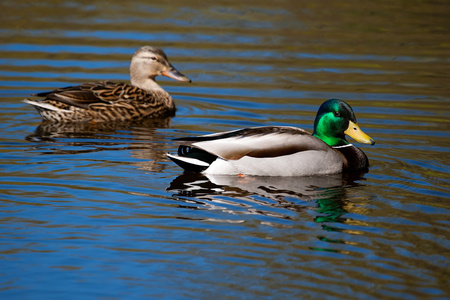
(334, 120)
(149, 62)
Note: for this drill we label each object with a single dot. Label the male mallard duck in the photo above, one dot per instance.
(280, 150)
(110, 101)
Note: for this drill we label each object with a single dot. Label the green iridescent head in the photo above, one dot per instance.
(334, 120)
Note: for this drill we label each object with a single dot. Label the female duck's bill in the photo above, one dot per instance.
(114, 101)
(280, 150)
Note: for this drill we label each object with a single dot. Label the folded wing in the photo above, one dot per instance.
(91, 93)
(260, 142)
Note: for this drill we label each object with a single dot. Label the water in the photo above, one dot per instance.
(98, 212)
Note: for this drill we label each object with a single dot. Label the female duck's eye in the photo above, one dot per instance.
(153, 58)
(337, 114)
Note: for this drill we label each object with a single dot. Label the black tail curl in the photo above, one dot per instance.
(192, 152)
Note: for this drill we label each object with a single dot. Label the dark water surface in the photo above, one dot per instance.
(98, 212)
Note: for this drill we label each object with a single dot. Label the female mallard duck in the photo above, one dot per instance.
(110, 101)
(281, 150)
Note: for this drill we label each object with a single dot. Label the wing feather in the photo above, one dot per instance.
(94, 93)
(267, 141)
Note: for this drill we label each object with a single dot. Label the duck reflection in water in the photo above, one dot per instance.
(273, 201)
(139, 138)
(265, 195)
(48, 131)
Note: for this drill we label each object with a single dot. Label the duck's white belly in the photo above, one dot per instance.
(305, 163)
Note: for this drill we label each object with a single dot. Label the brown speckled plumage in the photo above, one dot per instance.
(108, 101)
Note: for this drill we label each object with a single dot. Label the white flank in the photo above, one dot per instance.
(305, 163)
(237, 147)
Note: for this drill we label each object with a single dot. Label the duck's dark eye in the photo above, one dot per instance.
(336, 114)
(151, 57)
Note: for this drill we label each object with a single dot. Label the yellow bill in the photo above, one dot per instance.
(357, 134)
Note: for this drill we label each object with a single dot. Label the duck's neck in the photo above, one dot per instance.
(331, 140)
(146, 83)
